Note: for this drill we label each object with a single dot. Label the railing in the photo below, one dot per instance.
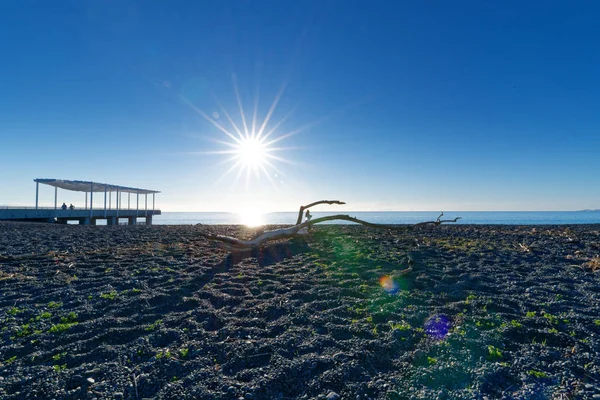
(24, 208)
(74, 208)
(44, 208)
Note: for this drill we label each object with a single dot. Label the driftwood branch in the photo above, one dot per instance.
(234, 244)
(302, 208)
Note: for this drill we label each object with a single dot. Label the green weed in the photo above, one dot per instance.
(59, 368)
(154, 325)
(59, 328)
(109, 296)
(400, 326)
(551, 318)
(537, 374)
(14, 311)
(163, 354)
(494, 353)
(24, 331)
(69, 318)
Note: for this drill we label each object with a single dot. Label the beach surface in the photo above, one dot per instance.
(134, 312)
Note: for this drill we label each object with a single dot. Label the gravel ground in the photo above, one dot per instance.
(133, 312)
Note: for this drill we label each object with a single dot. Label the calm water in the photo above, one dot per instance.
(396, 217)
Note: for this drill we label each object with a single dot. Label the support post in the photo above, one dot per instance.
(117, 200)
(37, 193)
(91, 200)
(85, 200)
(110, 201)
(153, 201)
(55, 198)
(146, 205)
(104, 201)
(128, 199)
(137, 206)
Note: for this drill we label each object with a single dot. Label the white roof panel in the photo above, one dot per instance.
(88, 186)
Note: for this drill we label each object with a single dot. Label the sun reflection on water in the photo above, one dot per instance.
(251, 218)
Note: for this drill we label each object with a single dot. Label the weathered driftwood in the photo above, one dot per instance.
(234, 244)
(302, 208)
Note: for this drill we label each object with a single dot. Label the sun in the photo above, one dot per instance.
(251, 152)
(251, 145)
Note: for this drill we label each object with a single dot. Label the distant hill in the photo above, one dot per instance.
(588, 210)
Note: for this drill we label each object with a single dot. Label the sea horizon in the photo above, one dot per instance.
(388, 217)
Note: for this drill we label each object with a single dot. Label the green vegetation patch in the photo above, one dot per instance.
(494, 353)
(69, 318)
(59, 328)
(109, 296)
(14, 311)
(154, 325)
(183, 353)
(400, 326)
(537, 374)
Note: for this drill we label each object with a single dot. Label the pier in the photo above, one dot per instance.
(88, 215)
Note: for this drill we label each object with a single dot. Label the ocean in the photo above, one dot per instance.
(394, 217)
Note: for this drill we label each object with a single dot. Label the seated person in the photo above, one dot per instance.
(64, 206)
(71, 207)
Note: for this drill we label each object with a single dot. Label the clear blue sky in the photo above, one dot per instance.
(407, 105)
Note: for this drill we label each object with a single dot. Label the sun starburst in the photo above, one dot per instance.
(250, 144)
(252, 152)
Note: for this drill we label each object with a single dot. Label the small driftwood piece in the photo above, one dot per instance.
(234, 244)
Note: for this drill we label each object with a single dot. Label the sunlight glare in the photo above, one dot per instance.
(249, 143)
(251, 152)
(251, 218)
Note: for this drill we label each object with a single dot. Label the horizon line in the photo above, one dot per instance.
(408, 211)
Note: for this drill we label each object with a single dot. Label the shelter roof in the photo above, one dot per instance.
(88, 186)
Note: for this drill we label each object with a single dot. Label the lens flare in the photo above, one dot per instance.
(388, 284)
(438, 326)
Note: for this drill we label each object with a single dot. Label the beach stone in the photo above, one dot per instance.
(333, 396)
(92, 371)
(418, 354)
(91, 380)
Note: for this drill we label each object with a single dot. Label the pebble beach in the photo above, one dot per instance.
(158, 312)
